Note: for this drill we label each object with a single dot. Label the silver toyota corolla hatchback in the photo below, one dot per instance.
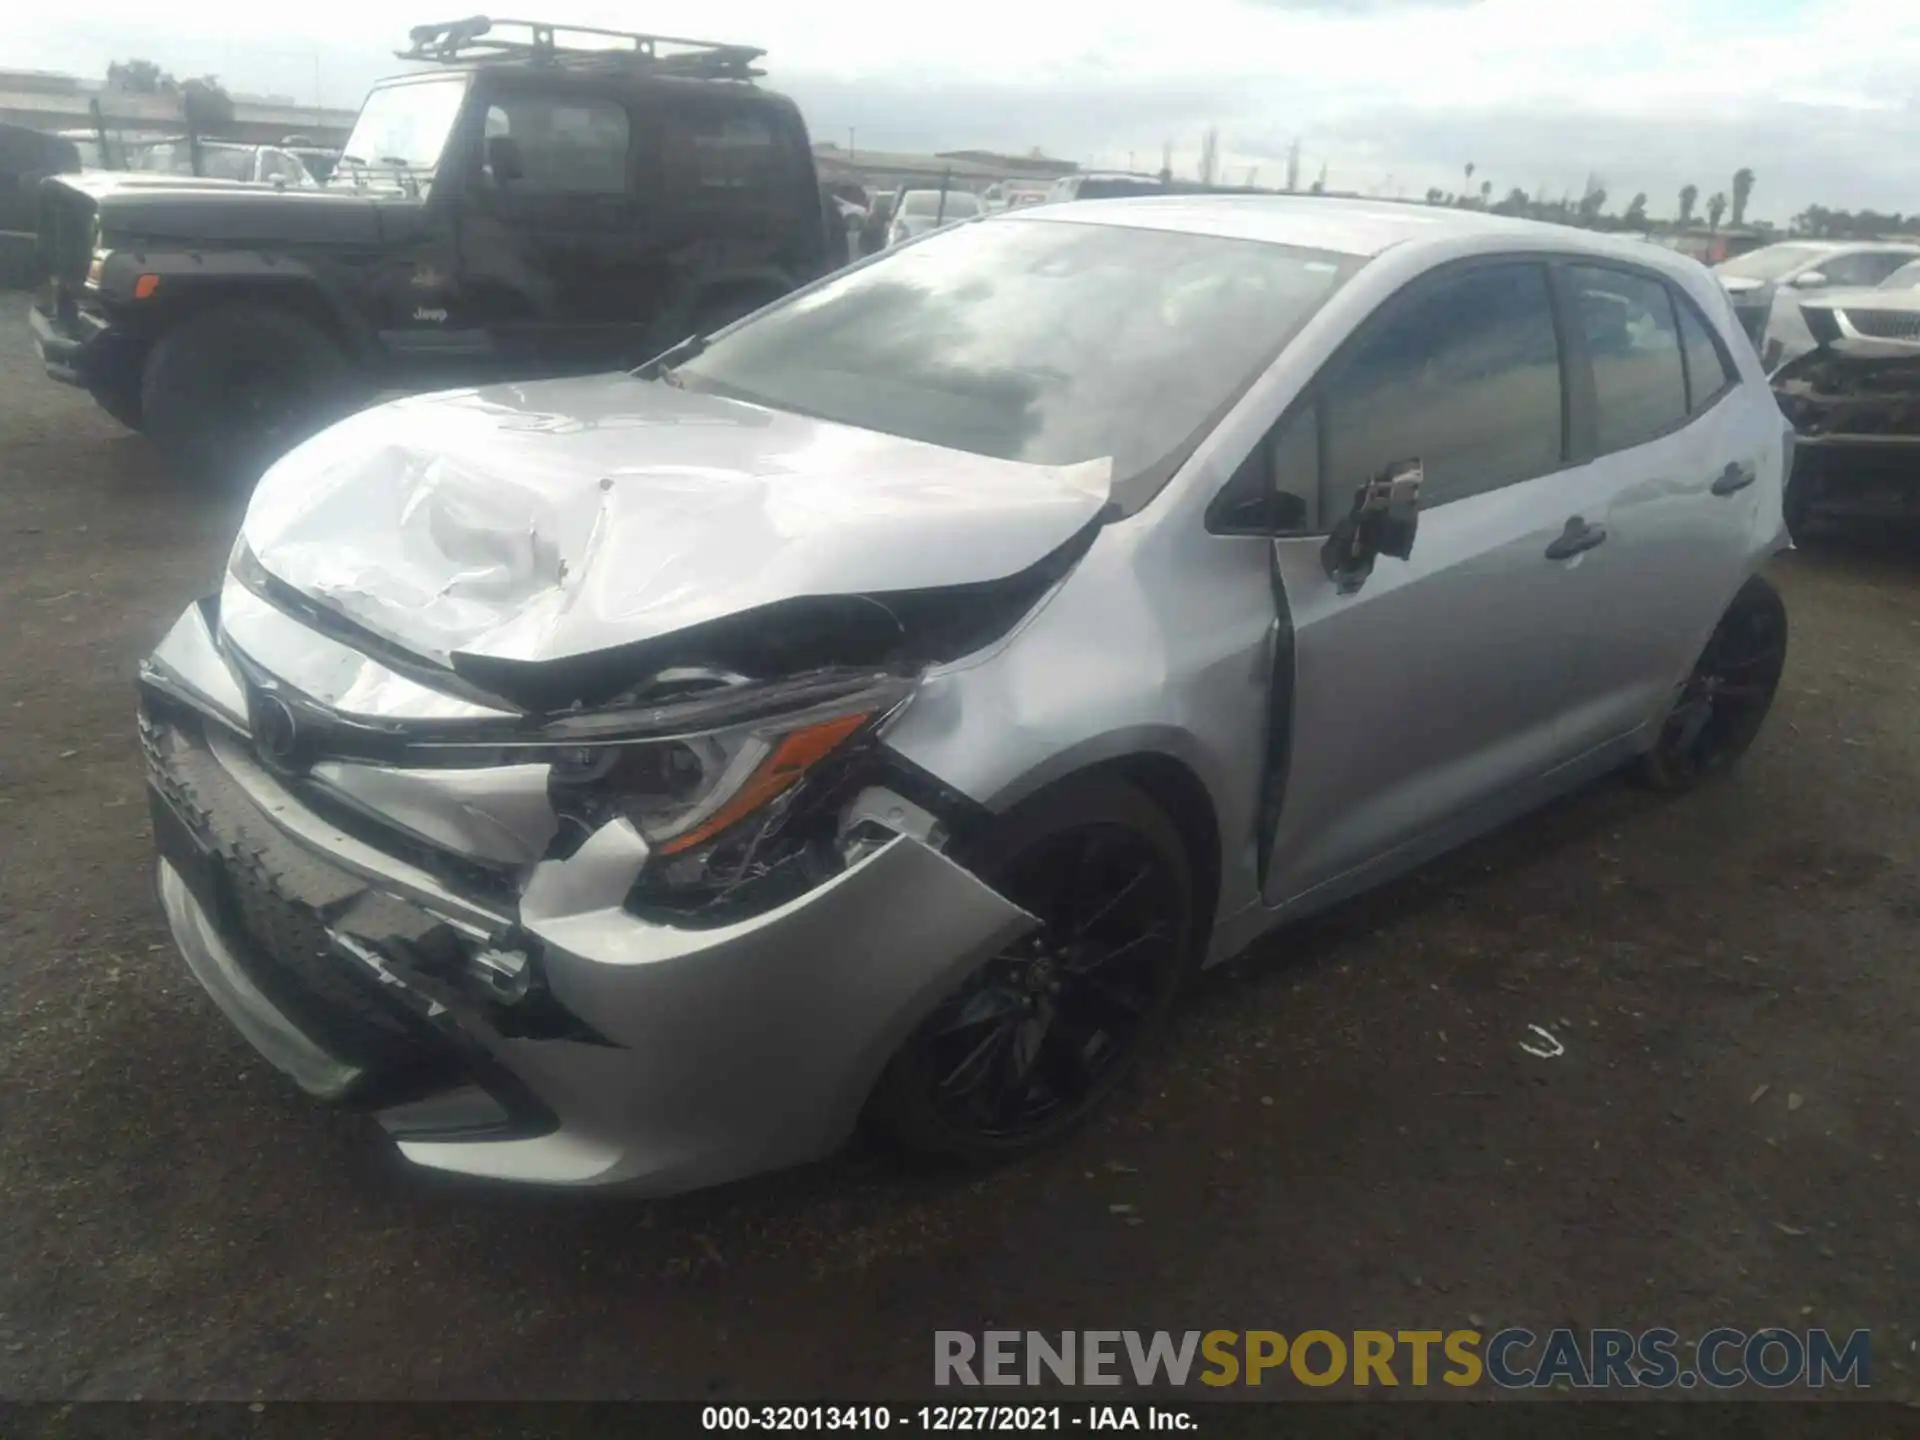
(879, 709)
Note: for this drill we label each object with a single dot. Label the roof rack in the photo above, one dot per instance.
(476, 39)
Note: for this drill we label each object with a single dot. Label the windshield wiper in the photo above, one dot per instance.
(661, 367)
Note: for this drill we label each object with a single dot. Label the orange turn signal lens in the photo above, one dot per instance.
(796, 754)
(144, 287)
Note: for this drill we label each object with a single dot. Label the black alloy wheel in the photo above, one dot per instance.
(1037, 1038)
(1725, 700)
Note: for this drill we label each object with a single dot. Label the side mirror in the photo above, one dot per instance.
(503, 159)
(1384, 517)
(1265, 511)
(1809, 280)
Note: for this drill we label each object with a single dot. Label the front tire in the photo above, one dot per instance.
(121, 400)
(227, 392)
(1037, 1040)
(1726, 698)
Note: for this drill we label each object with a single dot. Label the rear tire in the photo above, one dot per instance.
(1036, 1041)
(227, 392)
(1725, 699)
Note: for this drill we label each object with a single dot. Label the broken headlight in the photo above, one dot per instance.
(737, 817)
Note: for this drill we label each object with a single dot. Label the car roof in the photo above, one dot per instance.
(1352, 227)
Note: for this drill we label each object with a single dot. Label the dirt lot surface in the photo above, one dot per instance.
(1343, 1134)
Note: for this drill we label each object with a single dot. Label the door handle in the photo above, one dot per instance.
(1735, 477)
(1578, 536)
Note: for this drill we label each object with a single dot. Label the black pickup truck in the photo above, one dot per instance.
(524, 207)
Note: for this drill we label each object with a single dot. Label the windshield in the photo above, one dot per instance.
(1907, 277)
(1770, 262)
(927, 202)
(219, 164)
(1034, 340)
(404, 127)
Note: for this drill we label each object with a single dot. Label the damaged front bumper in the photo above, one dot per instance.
(1855, 409)
(514, 1020)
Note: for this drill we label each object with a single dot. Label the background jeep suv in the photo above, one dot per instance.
(521, 209)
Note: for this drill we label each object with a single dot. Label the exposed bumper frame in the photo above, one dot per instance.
(712, 1053)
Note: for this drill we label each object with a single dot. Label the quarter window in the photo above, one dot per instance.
(1709, 371)
(1639, 381)
(719, 154)
(1463, 376)
(571, 147)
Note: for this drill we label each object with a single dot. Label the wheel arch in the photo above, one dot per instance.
(1158, 765)
(294, 295)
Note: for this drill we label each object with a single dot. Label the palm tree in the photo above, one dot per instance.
(1689, 196)
(1471, 167)
(1742, 190)
(1636, 216)
(1716, 207)
(1486, 193)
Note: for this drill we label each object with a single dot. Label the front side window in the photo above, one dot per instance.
(1639, 383)
(1462, 375)
(927, 204)
(564, 147)
(1034, 340)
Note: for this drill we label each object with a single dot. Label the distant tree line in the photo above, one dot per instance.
(1819, 223)
(204, 102)
(1589, 210)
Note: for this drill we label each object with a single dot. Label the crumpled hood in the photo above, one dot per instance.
(539, 521)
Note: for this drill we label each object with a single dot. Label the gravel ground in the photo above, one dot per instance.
(1343, 1133)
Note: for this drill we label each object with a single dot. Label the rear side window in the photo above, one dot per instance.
(721, 154)
(566, 147)
(1639, 380)
(1710, 374)
(1462, 375)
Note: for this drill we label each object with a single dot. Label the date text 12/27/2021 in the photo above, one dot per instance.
(944, 1419)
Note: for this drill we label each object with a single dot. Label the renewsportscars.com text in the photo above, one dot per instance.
(1513, 1358)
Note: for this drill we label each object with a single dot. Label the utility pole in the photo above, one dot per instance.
(1166, 163)
(1293, 167)
(851, 132)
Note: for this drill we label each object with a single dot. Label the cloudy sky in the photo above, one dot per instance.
(1820, 97)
